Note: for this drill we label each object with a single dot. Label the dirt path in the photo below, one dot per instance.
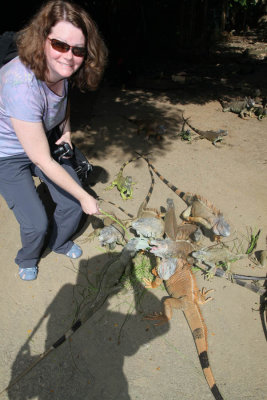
(150, 362)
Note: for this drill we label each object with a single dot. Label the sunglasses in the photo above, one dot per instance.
(64, 48)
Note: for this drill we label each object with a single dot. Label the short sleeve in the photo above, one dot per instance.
(23, 101)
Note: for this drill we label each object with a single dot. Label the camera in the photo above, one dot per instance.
(63, 150)
(79, 162)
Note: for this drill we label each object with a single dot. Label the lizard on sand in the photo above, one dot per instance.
(124, 184)
(185, 295)
(212, 136)
(199, 210)
(260, 111)
(147, 223)
(240, 107)
(213, 256)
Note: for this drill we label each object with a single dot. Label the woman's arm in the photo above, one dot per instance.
(33, 140)
(66, 129)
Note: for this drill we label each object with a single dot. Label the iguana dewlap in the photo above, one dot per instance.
(167, 248)
(185, 295)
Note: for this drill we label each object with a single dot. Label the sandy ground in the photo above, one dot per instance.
(150, 362)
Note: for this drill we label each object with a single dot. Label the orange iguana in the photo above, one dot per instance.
(184, 231)
(199, 210)
(185, 295)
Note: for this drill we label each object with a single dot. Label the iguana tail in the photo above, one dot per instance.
(116, 205)
(190, 126)
(126, 163)
(199, 331)
(143, 206)
(185, 196)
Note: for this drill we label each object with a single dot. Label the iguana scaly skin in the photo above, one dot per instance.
(124, 184)
(240, 107)
(166, 248)
(213, 256)
(212, 136)
(200, 210)
(185, 295)
(260, 111)
(148, 222)
(112, 235)
(179, 232)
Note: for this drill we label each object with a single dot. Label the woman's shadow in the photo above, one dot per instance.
(90, 364)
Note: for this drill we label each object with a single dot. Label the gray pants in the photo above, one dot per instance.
(18, 189)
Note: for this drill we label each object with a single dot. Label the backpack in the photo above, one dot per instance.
(8, 48)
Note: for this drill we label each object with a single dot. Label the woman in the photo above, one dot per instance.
(61, 43)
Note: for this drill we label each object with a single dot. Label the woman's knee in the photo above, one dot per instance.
(41, 225)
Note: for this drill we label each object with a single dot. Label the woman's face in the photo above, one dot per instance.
(63, 65)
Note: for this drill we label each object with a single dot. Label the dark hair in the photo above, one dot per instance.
(31, 41)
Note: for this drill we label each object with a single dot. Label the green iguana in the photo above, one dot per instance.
(199, 210)
(260, 111)
(111, 232)
(212, 136)
(240, 107)
(147, 223)
(185, 296)
(124, 184)
(213, 256)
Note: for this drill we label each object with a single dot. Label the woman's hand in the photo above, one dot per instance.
(89, 205)
(65, 138)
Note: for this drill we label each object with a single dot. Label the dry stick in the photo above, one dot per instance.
(115, 220)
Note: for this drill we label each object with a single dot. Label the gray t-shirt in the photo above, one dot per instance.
(24, 97)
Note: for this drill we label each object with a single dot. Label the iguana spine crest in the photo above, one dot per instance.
(185, 295)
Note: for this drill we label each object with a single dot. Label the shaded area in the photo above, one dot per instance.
(235, 69)
(91, 363)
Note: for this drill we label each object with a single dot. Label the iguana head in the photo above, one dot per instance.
(160, 247)
(221, 227)
(199, 255)
(109, 235)
(250, 102)
(126, 188)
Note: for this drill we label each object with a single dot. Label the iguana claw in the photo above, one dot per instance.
(148, 283)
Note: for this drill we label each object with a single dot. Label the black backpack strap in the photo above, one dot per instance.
(8, 47)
